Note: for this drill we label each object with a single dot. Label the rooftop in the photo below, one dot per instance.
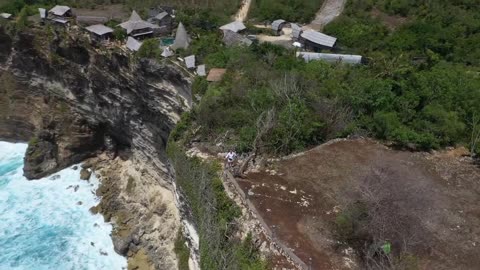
(133, 44)
(190, 61)
(319, 38)
(277, 24)
(6, 15)
(99, 29)
(136, 23)
(59, 10)
(235, 26)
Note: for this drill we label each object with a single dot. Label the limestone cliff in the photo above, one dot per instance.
(72, 101)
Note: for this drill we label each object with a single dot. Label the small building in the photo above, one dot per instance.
(235, 26)
(6, 16)
(164, 21)
(278, 25)
(201, 71)
(133, 44)
(331, 58)
(43, 14)
(216, 74)
(167, 52)
(296, 31)
(190, 61)
(316, 41)
(182, 40)
(100, 32)
(61, 12)
(232, 39)
(138, 28)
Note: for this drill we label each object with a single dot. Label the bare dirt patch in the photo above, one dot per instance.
(433, 196)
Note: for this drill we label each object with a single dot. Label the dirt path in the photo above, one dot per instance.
(329, 11)
(243, 11)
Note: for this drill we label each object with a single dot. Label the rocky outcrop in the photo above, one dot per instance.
(72, 101)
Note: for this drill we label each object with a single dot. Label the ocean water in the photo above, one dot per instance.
(46, 224)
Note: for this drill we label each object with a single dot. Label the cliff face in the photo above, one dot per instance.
(72, 101)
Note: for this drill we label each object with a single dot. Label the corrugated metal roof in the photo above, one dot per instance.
(136, 23)
(277, 24)
(99, 29)
(235, 26)
(43, 13)
(296, 30)
(190, 61)
(330, 57)
(201, 71)
(181, 38)
(133, 44)
(59, 10)
(319, 38)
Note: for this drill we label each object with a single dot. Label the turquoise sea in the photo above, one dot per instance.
(46, 224)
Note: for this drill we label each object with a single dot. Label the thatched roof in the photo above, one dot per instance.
(182, 41)
(231, 38)
(136, 23)
(99, 29)
(216, 74)
(319, 38)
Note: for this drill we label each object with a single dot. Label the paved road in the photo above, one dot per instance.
(329, 11)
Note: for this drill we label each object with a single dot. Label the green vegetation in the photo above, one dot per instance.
(182, 251)
(149, 49)
(420, 88)
(213, 214)
(301, 11)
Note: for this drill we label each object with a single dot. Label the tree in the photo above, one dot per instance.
(149, 49)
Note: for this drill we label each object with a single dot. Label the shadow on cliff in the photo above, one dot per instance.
(72, 101)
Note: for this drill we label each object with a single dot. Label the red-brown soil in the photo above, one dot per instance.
(439, 191)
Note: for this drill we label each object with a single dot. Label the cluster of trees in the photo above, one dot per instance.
(301, 11)
(419, 88)
(213, 214)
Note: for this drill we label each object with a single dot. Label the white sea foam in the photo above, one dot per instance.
(43, 225)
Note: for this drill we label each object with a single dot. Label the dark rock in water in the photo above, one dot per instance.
(55, 177)
(94, 210)
(103, 253)
(79, 203)
(92, 244)
(121, 245)
(75, 167)
(85, 174)
(76, 188)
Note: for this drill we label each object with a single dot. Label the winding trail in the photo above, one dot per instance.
(330, 10)
(243, 11)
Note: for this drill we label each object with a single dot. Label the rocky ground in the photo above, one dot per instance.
(432, 198)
